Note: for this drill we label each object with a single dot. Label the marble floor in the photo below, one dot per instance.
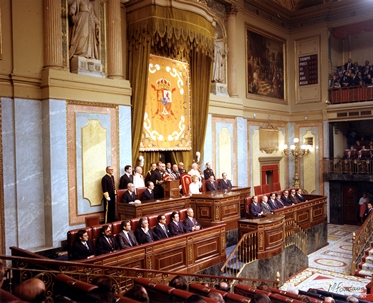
(329, 267)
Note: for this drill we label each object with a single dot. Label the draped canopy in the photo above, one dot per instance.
(176, 34)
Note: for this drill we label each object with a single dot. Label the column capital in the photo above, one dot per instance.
(231, 10)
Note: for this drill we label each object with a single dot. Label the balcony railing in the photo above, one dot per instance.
(348, 166)
(351, 94)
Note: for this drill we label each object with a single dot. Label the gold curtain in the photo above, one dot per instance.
(180, 35)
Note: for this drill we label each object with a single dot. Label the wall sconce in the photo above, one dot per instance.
(297, 151)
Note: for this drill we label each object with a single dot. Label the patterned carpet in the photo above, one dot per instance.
(329, 267)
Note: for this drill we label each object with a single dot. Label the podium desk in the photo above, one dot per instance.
(171, 189)
(217, 207)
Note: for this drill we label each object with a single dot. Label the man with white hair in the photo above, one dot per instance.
(195, 171)
(138, 178)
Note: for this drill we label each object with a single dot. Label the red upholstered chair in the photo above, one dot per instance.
(266, 188)
(92, 220)
(182, 214)
(7, 297)
(218, 181)
(135, 224)
(116, 228)
(75, 289)
(185, 180)
(179, 295)
(152, 221)
(233, 298)
(276, 186)
(203, 187)
(157, 292)
(247, 290)
(168, 217)
(139, 192)
(258, 190)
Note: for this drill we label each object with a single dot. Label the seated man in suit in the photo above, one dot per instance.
(161, 229)
(293, 198)
(367, 211)
(126, 238)
(298, 194)
(279, 202)
(82, 247)
(190, 223)
(129, 196)
(143, 233)
(211, 184)
(225, 183)
(286, 199)
(175, 226)
(265, 206)
(255, 208)
(148, 193)
(105, 242)
(272, 201)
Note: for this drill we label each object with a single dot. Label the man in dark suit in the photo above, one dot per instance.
(293, 197)
(153, 166)
(126, 178)
(190, 223)
(105, 242)
(279, 202)
(82, 247)
(225, 183)
(175, 226)
(144, 234)
(286, 199)
(272, 201)
(255, 208)
(109, 192)
(299, 195)
(211, 184)
(208, 171)
(129, 196)
(148, 193)
(157, 179)
(126, 238)
(161, 230)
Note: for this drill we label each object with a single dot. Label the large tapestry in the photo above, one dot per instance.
(167, 111)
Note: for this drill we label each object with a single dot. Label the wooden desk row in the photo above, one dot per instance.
(209, 209)
(273, 229)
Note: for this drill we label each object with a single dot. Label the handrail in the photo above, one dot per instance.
(122, 276)
(244, 252)
(347, 94)
(348, 166)
(359, 241)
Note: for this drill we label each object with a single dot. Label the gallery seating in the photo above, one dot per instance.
(7, 297)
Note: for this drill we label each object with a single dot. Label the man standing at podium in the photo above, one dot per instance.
(157, 179)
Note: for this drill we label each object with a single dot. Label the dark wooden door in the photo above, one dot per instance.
(350, 204)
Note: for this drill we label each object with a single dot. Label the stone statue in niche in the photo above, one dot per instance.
(219, 61)
(85, 31)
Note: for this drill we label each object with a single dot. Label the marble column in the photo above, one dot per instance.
(52, 27)
(232, 79)
(114, 40)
